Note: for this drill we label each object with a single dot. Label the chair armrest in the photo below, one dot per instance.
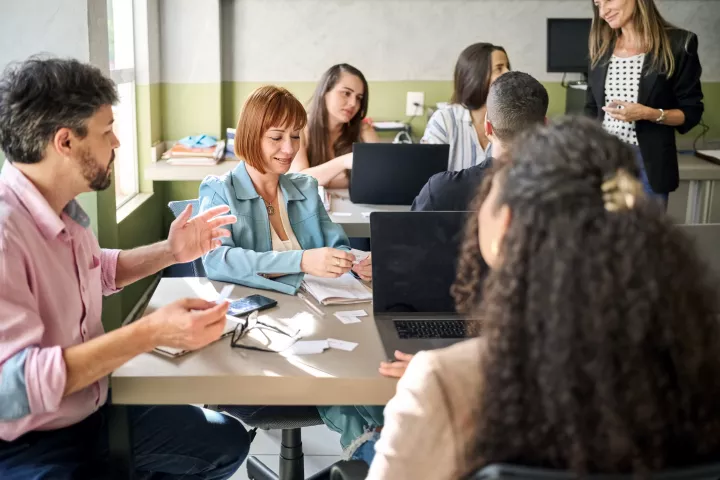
(349, 470)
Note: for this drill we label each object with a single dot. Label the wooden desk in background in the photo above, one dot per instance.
(693, 202)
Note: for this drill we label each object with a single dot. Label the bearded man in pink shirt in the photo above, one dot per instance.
(56, 132)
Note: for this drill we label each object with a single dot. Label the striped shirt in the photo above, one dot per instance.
(453, 125)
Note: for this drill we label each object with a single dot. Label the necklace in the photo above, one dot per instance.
(270, 208)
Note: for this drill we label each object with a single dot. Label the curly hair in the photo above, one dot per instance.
(601, 350)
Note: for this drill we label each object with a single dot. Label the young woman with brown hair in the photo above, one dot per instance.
(462, 123)
(336, 120)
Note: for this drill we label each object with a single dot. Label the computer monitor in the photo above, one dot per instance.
(567, 45)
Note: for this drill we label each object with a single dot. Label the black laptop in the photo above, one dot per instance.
(394, 173)
(414, 265)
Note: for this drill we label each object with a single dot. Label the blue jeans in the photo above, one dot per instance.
(178, 442)
(355, 424)
(663, 197)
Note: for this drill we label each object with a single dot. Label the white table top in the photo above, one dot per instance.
(219, 374)
(357, 223)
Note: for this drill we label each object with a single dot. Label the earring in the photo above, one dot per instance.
(494, 247)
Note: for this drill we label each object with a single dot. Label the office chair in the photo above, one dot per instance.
(194, 268)
(292, 461)
(292, 465)
(357, 470)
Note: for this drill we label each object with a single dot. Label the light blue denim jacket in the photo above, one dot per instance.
(247, 254)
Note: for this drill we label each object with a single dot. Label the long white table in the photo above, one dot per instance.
(355, 217)
(219, 374)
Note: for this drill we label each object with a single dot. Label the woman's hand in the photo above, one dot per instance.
(630, 112)
(397, 368)
(326, 262)
(364, 269)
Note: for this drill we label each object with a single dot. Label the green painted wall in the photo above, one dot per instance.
(189, 109)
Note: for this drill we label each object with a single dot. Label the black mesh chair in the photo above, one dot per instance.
(356, 470)
(194, 268)
(292, 466)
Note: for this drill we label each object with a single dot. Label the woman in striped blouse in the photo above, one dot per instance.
(461, 124)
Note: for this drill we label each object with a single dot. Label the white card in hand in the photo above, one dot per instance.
(359, 255)
(224, 293)
(341, 344)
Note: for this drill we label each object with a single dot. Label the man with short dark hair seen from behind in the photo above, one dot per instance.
(515, 101)
(56, 132)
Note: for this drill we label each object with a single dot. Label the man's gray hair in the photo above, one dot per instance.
(40, 96)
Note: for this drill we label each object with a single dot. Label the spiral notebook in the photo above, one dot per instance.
(344, 290)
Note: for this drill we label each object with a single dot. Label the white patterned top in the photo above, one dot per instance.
(622, 83)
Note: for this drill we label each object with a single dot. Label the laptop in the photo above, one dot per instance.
(394, 173)
(414, 265)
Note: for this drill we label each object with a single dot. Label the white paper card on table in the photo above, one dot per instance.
(341, 344)
(225, 293)
(350, 316)
(342, 214)
(347, 319)
(343, 290)
(307, 347)
(354, 313)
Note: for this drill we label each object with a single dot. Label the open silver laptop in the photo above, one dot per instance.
(414, 264)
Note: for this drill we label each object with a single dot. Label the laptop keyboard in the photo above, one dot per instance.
(409, 329)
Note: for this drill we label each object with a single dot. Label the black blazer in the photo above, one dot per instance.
(682, 91)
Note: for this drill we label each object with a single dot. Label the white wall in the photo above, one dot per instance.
(296, 40)
(58, 27)
(147, 41)
(190, 41)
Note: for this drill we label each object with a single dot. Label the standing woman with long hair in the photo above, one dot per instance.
(462, 123)
(644, 84)
(336, 120)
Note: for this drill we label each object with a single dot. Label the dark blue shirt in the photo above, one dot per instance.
(450, 191)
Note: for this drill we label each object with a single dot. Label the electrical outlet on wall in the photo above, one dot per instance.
(415, 104)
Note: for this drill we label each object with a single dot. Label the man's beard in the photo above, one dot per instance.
(97, 177)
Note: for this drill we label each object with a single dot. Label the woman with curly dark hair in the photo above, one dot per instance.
(600, 343)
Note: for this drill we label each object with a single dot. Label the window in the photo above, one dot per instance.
(122, 71)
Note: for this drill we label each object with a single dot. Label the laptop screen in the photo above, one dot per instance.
(414, 260)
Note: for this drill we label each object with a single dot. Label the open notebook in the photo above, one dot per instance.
(230, 324)
(344, 290)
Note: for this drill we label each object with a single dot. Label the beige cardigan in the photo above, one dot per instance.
(429, 421)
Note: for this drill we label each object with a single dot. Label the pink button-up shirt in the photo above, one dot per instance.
(53, 275)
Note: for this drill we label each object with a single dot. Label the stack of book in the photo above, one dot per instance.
(181, 154)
